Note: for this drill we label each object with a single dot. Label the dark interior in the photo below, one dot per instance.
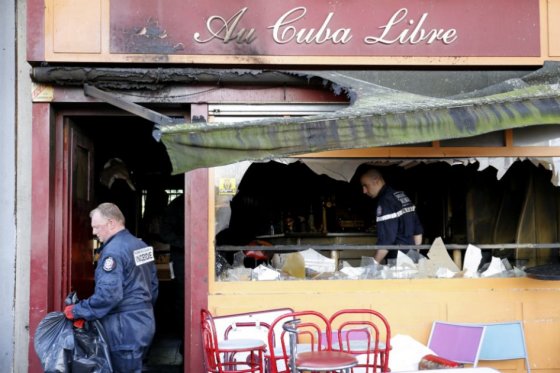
(455, 202)
(130, 140)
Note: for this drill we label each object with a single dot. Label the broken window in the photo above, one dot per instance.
(272, 217)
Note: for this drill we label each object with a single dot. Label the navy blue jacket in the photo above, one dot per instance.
(126, 289)
(397, 221)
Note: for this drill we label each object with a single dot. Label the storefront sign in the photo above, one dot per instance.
(364, 28)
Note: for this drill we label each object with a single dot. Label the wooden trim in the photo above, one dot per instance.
(299, 60)
(553, 40)
(61, 207)
(36, 30)
(197, 226)
(211, 94)
(42, 229)
(438, 152)
(508, 138)
(294, 287)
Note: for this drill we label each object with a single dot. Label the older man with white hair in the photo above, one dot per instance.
(126, 289)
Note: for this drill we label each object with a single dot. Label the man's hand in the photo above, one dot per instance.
(68, 312)
(79, 323)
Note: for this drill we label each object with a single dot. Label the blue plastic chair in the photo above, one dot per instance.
(457, 341)
(504, 341)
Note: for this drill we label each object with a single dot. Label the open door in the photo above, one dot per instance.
(81, 201)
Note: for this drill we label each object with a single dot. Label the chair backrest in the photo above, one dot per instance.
(212, 359)
(457, 342)
(504, 341)
(309, 331)
(254, 325)
(250, 329)
(241, 354)
(232, 324)
(365, 333)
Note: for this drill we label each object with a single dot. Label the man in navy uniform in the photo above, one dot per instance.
(397, 221)
(126, 289)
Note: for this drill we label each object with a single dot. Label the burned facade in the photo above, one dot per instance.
(255, 114)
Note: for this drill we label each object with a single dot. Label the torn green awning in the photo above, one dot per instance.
(378, 116)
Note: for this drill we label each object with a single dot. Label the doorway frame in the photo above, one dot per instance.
(49, 265)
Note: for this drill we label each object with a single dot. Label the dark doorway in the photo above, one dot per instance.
(116, 159)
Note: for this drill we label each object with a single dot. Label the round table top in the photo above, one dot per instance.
(240, 344)
(325, 360)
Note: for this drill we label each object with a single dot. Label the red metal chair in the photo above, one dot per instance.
(241, 326)
(301, 347)
(366, 334)
(219, 355)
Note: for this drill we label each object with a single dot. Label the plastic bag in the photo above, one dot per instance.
(91, 351)
(62, 348)
(54, 343)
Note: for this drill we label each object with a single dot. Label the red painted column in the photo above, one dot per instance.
(40, 302)
(196, 264)
(35, 30)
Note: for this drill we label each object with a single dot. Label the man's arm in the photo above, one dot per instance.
(386, 235)
(107, 294)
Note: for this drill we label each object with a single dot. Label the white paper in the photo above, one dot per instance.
(171, 271)
(444, 273)
(473, 256)
(353, 273)
(496, 267)
(263, 273)
(438, 258)
(317, 262)
(404, 261)
(406, 353)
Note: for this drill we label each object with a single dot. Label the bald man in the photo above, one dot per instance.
(397, 221)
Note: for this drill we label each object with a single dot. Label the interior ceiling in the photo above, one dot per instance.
(130, 139)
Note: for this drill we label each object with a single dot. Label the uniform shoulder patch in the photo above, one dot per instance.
(109, 264)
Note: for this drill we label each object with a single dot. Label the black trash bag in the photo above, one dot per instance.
(54, 343)
(63, 348)
(91, 351)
